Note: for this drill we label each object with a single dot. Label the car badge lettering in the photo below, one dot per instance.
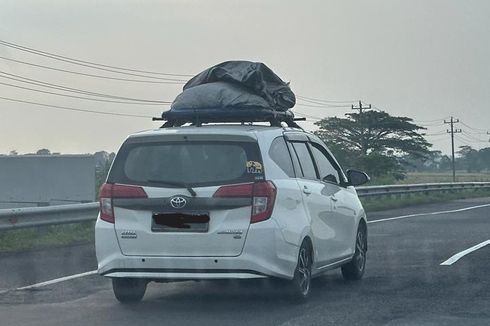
(178, 202)
(128, 234)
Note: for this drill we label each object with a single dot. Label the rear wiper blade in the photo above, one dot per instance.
(174, 183)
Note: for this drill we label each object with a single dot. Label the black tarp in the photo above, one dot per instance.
(235, 85)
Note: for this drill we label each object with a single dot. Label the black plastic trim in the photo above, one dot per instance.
(162, 205)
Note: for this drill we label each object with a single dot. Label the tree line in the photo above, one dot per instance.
(388, 146)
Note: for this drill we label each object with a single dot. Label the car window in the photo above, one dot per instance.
(306, 162)
(193, 163)
(279, 153)
(325, 168)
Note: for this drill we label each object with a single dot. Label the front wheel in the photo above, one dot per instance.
(129, 290)
(301, 282)
(354, 270)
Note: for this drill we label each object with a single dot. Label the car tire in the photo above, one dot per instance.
(129, 290)
(354, 270)
(301, 282)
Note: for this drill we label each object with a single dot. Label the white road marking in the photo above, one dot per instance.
(463, 253)
(71, 277)
(430, 213)
(57, 280)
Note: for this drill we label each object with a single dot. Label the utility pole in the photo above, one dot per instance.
(361, 122)
(452, 132)
(360, 108)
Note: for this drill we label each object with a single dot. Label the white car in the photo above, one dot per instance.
(228, 202)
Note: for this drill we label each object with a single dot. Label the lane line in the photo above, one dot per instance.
(75, 276)
(430, 213)
(57, 280)
(463, 253)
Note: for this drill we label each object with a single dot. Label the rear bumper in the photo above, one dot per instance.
(173, 274)
(265, 254)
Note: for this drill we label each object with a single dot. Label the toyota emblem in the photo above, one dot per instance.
(178, 202)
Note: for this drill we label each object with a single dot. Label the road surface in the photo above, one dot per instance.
(404, 284)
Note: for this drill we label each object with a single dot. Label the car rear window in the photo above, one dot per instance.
(192, 162)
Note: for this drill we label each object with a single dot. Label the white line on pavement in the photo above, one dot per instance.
(430, 213)
(57, 280)
(463, 253)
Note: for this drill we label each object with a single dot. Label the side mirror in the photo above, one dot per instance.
(357, 178)
(330, 178)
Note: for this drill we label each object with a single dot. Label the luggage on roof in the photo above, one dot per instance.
(233, 91)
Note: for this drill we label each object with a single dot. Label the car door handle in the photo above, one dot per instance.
(306, 190)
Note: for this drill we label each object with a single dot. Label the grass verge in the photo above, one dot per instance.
(386, 202)
(46, 236)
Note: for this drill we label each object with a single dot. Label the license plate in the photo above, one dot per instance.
(180, 222)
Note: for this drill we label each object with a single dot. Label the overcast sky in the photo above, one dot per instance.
(426, 60)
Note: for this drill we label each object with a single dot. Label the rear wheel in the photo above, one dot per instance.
(301, 282)
(129, 290)
(354, 270)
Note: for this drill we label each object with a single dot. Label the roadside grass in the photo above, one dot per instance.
(46, 237)
(380, 203)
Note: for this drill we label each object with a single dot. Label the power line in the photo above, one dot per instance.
(323, 106)
(469, 142)
(307, 115)
(89, 64)
(74, 96)
(430, 121)
(74, 90)
(438, 138)
(168, 80)
(312, 99)
(475, 129)
(472, 137)
(436, 134)
(75, 109)
(429, 124)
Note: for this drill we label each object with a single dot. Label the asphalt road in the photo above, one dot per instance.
(404, 284)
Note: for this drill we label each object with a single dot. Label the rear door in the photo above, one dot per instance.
(181, 216)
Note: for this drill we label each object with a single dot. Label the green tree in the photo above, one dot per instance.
(374, 141)
(43, 151)
(471, 159)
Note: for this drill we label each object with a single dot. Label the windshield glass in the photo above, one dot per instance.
(188, 163)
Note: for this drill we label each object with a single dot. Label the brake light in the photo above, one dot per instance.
(264, 196)
(262, 193)
(110, 191)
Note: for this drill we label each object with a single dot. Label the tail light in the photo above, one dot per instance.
(110, 191)
(264, 196)
(262, 193)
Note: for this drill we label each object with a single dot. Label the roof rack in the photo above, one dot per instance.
(198, 117)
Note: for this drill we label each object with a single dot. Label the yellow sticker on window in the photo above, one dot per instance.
(254, 167)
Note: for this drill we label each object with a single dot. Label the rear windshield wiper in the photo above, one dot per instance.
(174, 183)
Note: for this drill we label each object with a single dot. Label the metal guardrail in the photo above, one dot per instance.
(17, 218)
(417, 188)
